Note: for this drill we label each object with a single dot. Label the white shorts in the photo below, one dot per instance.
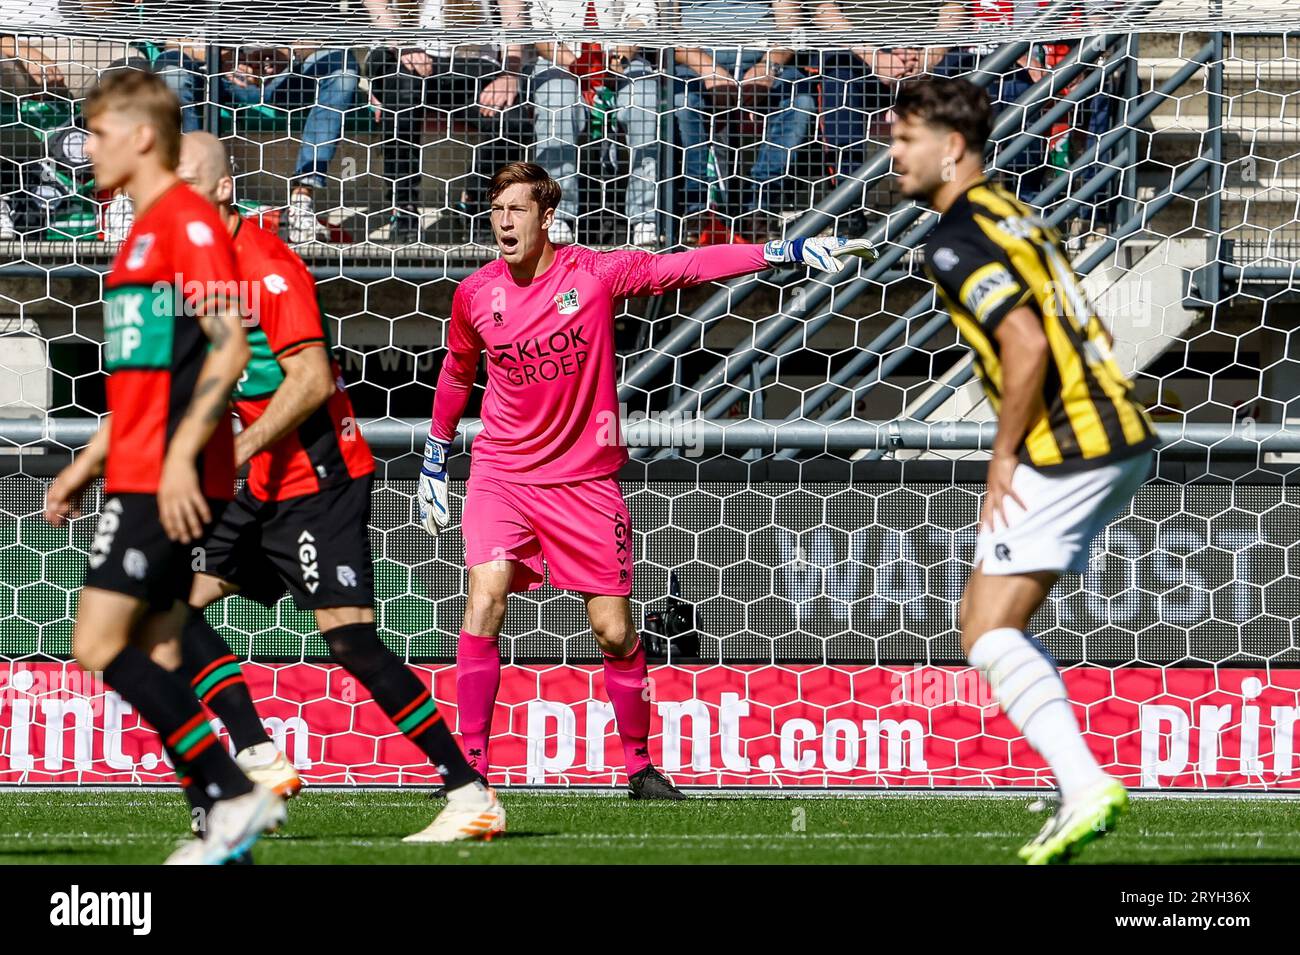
(1064, 513)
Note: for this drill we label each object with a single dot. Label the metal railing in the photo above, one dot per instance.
(647, 370)
(875, 276)
(876, 361)
(770, 436)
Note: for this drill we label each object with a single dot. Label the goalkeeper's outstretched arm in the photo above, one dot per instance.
(633, 272)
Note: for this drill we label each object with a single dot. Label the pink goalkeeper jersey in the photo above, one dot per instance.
(550, 414)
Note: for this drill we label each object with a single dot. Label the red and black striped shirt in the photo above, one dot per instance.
(176, 262)
(284, 318)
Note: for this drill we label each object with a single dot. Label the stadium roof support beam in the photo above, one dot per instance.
(641, 375)
(797, 338)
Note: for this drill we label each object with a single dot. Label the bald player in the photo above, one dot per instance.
(300, 523)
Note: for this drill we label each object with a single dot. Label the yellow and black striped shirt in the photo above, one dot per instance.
(989, 255)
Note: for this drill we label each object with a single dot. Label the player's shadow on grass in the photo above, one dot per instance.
(15, 856)
(511, 835)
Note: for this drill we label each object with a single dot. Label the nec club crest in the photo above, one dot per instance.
(139, 251)
(566, 303)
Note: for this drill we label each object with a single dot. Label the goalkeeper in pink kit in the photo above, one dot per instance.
(542, 491)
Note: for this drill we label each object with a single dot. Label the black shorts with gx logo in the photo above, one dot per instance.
(316, 547)
(131, 553)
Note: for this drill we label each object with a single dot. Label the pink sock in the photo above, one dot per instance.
(478, 676)
(625, 682)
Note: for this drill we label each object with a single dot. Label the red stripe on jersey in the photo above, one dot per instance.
(300, 346)
(328, 447)
(154, 356)
(139, 401)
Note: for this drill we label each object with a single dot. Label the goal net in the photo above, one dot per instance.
(808, 452)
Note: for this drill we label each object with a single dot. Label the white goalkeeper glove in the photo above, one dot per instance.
(431, 493)
(826, 253)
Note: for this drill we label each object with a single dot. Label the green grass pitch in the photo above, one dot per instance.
(337, 827)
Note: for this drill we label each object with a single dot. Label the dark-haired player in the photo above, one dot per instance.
(175, 349)
(1072, 445)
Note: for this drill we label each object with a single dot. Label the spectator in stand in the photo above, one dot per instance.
(1027, 168)
(844, 126)
(858, 88)
(714, 86)
(324, 81)
(567, 81)
(474, 84)
(25, 73)
(38, 66)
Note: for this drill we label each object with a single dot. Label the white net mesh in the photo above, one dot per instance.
(797, 23)
(818, 544)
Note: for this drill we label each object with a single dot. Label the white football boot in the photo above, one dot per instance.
(233, 826)
(472, 812)
(267, 766)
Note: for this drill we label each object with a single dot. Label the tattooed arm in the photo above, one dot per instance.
(182, 506)
(308, 384)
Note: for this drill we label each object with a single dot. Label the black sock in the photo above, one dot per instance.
(166, 703)
(200, 802)
(213, 672)
(401, 696)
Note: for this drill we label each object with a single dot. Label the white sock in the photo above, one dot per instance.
(471, 794)
(1029, 688)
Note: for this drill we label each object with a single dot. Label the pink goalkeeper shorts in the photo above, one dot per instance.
(581, 532)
